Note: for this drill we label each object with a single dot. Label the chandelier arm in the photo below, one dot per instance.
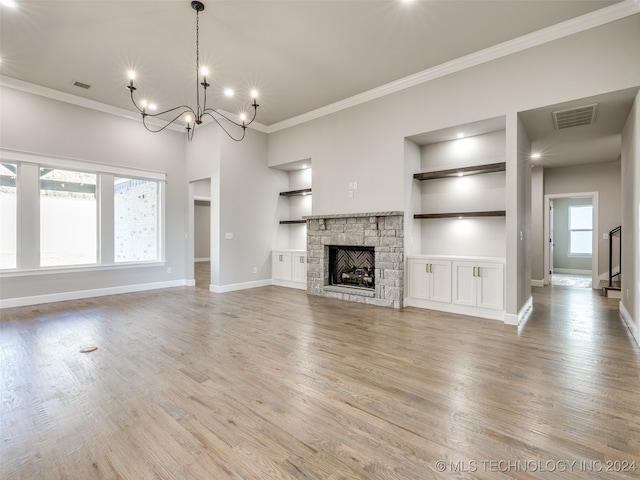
(209, 112)
(165, 126)
(185, 108)
(244, 129)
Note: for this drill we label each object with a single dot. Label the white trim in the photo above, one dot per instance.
(78, 269)
(537, 283)
(628, 320)
(284, 283)
(572, 271)
(190, 283)
(579, 24)
(103, 107)
(98, 292)
(456, 308)
(239, 286)
(203, 259)
(564, 29)
(595, 200)
(82, 165)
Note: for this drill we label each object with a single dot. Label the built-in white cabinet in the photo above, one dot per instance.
(299, 268)
(289, 268)
(478, 284)
(430, 279)
(466, 285)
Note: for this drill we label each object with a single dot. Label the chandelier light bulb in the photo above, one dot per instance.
(243, 116)
(193, 116)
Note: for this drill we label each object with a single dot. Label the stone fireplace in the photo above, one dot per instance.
(357, 257)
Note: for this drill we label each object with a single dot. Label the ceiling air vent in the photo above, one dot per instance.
(86, 86)
(575, 117)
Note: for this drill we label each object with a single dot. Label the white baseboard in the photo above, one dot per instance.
(203, 259)
(239, 286)
(455, 308)
(522, 316)
(190, 283)
(97, 292)
(571, 271)
(628, 320)
(537, 283)
(284, 283)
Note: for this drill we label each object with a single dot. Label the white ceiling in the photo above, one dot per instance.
(300, 54)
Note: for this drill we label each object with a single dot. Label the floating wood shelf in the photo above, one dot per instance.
(494, 213)
(462, 171)
(295, 193)
(292, 222)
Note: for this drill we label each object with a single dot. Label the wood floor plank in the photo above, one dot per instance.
(270, 383)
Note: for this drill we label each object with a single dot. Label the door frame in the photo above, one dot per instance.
(595, 279)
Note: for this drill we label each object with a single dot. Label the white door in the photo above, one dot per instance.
(440, 286)
(419, 278)
(464, 283)
(490, 285)
(299, 268)
(281, 266)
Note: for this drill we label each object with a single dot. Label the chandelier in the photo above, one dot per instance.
(193, 117)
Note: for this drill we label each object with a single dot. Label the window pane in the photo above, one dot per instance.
(136, 219)
(581, 242)
(8, 225)
(68, 218)
(580, 218)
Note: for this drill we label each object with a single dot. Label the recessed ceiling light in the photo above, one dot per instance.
(9, 3)
(228, 92)
(460, 135)
(535, 155)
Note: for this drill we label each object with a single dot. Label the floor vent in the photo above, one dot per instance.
(86, 86)
(575, 117)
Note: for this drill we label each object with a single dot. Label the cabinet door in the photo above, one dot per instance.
(419, 278)
(490, 285)
(440, 281)
(464, 283)
(299, 268)
(281, 266)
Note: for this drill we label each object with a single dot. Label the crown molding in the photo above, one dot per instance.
(99, 106)
(579, 24)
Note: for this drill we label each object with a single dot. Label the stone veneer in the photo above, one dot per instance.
(382, 230)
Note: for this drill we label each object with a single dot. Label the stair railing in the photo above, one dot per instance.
(612, 233)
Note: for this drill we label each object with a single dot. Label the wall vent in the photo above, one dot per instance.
(575, 117)
(86, 86)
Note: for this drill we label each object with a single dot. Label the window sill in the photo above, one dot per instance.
(78, 269)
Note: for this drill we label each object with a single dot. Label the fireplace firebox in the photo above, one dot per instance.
(352, 266)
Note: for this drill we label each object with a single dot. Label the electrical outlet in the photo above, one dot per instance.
(255, 269)
(605, 236)
(350, 194)
(228, 235)
(168, 269)
(355, 185)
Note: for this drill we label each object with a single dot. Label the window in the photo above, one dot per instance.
(580, 230)
(136, 224)
(68, 218)
(8, 209)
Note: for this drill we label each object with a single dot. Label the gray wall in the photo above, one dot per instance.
(202, 220)
(366, 142)
(36, 124)
(603, 178)
(561, 258)
(631, 216)
(537, 225)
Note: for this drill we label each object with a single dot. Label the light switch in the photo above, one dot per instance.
(228, 235)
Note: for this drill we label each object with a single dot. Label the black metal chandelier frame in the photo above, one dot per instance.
(200, 110)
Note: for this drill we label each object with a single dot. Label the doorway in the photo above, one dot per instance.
(202, 232)
(571, 246)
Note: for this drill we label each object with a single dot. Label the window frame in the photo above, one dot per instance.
(28, 200)
(570, 252)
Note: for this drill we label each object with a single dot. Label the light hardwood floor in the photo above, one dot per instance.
(272, 383)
